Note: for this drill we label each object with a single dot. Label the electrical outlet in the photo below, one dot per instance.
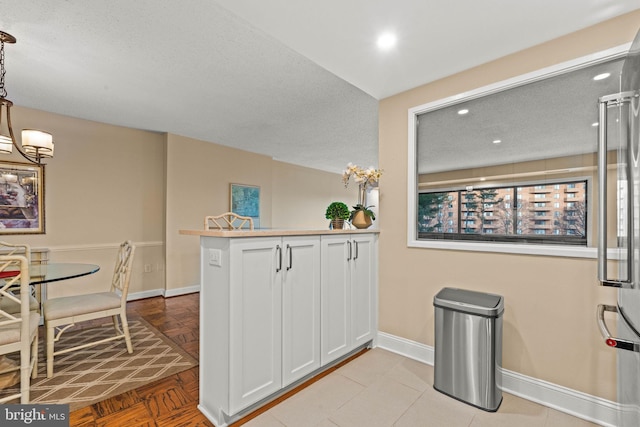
(215, 257)
(148, 268)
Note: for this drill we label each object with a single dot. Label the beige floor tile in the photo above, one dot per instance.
(383, 389)
(264, 420)
(513, 411)
(367, 368)
(412, 373)
(434, 409)
(314, 404)
(379, 405)
(327, 423)
(560, 419)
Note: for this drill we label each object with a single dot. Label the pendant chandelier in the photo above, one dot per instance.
(36, 144)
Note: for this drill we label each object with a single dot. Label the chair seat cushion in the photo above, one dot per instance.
(11, 333)
(13, 307)
(60, 308)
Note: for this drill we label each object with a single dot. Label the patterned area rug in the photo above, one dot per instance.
(87, 376)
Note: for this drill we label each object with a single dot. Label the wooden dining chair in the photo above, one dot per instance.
(8, 304)
(62, 313)
(18, 331)
(227, 220)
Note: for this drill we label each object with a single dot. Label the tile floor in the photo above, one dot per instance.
(384, 389)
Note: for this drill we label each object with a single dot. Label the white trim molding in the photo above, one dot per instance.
(582, 405)
(101, 246)
(412, 171)
(166, 293)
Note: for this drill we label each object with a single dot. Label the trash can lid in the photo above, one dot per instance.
(470, 302)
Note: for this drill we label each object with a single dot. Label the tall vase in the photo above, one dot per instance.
(362, 195)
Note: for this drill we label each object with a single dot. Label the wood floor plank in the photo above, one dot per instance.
(116, 404)
(82, 417)
(171, 401)
(137, 415)
(187, 416)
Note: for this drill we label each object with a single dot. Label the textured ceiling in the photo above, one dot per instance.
(546, 119)
(298, 81)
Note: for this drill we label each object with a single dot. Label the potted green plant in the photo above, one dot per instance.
(337, 212)
(362, 216)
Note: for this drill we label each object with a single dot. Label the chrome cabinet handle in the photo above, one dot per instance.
(604, 331)
(603, 103)
(349, 256)
(279, 252)
(355, 243)
(289, 251)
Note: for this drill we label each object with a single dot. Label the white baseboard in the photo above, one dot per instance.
(167, 293)
(181, 291)
(144, 294)
(591, 408)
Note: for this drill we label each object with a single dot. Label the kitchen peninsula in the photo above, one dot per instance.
(278, 307)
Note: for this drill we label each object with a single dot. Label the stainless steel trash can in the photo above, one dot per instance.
(468, 346)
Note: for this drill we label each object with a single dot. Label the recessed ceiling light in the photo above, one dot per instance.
(463, 111)
(387, 41)
(497, 141)
(602, 76)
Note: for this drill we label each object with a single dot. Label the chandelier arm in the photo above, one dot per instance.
(37, 157)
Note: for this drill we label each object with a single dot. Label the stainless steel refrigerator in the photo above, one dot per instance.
(619, 228)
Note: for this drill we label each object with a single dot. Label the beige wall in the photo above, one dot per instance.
(549, 325)
(109, 183)
(104, 185)
(198, 178)
(301, 195)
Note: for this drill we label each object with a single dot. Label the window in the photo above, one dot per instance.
(475, 214)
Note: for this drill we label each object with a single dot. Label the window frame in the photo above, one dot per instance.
(497, 247)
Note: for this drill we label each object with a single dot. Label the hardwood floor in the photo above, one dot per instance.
(169, 402)
(172, 401)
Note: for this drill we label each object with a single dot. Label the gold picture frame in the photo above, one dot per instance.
(21, 198)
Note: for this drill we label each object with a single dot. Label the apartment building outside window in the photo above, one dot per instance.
(478, 213)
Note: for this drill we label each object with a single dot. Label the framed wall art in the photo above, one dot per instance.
(21, 198)
(245, 201)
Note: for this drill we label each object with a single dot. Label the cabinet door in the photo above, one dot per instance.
(335, 297)
(255, 348)
(363, 297)
(300, 308)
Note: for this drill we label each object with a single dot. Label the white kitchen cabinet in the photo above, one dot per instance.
(266, 310)
(300, 308)
(268, 335)
(348, 288)
(255, 345)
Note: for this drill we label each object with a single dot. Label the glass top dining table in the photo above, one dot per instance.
(52, 272)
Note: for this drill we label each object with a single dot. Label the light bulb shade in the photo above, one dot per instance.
(37, 143)
(6, 146)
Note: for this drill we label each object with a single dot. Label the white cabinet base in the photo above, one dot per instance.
(264, 321)
(220, 419)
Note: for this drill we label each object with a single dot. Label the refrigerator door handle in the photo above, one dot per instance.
(603, 103)
(604, 331)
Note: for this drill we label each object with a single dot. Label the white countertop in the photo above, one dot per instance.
(267, 232)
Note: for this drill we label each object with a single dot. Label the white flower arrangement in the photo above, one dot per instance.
(362, 177)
